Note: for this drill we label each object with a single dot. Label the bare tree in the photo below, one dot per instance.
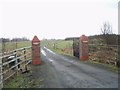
(106, 29)
(108, 36)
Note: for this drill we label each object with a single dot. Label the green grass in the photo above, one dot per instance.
(14, 83)
(19, 81)
(24, 44)
(109, 66)
(12, 45)
(24, 81)
(58, 46)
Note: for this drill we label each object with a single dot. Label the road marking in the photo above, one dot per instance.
(42, 51)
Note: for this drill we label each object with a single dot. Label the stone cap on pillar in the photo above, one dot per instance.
(35, 39)
(84, 39)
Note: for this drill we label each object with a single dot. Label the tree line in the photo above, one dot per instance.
(106, 37)
(14, 39)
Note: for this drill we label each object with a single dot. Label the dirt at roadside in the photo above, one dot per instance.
(40, 76)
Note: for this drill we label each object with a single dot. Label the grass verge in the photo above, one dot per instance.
(60, 46)
(14, 82)
(109, 67)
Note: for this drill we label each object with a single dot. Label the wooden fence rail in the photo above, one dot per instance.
(22, 57)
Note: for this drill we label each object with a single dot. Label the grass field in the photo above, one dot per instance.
(59, 46)
(8, 46)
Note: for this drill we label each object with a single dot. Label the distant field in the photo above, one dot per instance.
(8, 46)
(59, 46)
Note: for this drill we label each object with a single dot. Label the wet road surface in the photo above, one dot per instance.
(61, 71)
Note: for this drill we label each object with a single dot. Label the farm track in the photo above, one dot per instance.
(58, 71)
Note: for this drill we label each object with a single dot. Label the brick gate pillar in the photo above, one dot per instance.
(84, 48)
(36, 51)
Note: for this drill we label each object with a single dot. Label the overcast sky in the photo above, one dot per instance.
(56, 18)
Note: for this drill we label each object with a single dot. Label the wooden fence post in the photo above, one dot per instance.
(16, 61)
(25, 58)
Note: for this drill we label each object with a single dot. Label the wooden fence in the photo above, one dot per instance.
(21, 58)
